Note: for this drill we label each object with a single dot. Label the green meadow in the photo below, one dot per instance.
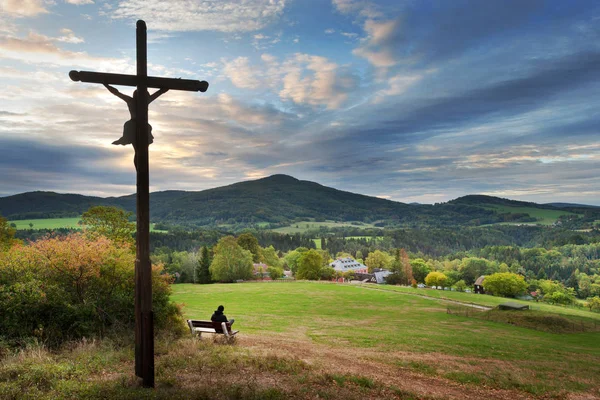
(48, 223)
(54, 223)
(404, 330)
(303, 226)
(543, 216)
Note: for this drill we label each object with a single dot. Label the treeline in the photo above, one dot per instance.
(434, 242)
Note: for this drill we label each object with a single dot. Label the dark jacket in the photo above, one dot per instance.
(218, 316)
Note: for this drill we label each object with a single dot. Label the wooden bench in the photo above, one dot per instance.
(198, 327)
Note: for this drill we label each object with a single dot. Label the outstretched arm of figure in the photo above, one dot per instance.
(156, 94)
(120, 95)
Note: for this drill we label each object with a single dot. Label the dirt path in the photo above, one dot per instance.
(382, 367)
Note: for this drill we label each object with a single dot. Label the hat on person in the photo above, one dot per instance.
(221, 308)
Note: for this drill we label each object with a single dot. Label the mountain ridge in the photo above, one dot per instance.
(275, 200)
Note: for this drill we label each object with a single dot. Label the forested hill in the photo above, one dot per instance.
(277, 200)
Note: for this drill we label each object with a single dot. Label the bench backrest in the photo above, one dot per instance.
(196, 323)
(218, 326)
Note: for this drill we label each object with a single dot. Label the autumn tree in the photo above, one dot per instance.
(231, 262)
(110, 222)
(7, 234)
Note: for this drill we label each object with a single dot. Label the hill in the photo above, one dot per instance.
(279, 200)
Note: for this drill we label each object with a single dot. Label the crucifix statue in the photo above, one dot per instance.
(138, 132)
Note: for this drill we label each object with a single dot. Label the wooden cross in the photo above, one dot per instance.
(144, 320)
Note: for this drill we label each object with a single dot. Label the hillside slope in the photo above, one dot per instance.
(278, 199)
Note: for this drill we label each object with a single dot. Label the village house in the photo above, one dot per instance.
(260, 271)
(349, 264)
(478, 287)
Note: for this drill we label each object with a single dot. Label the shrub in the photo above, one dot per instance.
(58, 289)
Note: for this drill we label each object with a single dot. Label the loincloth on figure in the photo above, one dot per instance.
(129, 134)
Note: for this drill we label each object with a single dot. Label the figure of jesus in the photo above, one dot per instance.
(129, 135)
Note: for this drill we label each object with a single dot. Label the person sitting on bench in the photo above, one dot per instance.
(218, 316)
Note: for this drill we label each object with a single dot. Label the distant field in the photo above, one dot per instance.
(388, 330)
(48, 223)
(318, 240)
(55, 223)
(492, 301)
(304, 226)
(544, 217)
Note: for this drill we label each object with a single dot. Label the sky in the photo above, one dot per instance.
(408, 100)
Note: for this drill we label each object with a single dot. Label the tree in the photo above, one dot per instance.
(420, 269)
(203, 268)
(505, 284)
(309, 265)
(231, 262)
(275, 273)
(359, 255)
(405, 264)
(248, 242)
(436, 278)
(593, 303)
(110, 222)
(269, 257)
(291, 259)
(378, 259)
(7, 234)
(460, 286)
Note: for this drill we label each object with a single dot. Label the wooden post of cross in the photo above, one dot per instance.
(144, 320)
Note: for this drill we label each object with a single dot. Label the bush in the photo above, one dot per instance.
(58, 289)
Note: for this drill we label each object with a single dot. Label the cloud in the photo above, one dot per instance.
(69, 37)
(40, 49)
(23, 8)
(197, 15)
(397, 85)
(363, 8)
(301, 78)
(80, 2)
(315, 80)
(380, 45)
(242, 74)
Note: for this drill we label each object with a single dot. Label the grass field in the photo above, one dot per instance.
(55, 223)
(48, 223)
(544, 217)
(301, 227)
(311, 340)
(491, 301)
(398, 330)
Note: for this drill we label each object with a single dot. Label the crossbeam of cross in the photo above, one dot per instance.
(144, 317)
